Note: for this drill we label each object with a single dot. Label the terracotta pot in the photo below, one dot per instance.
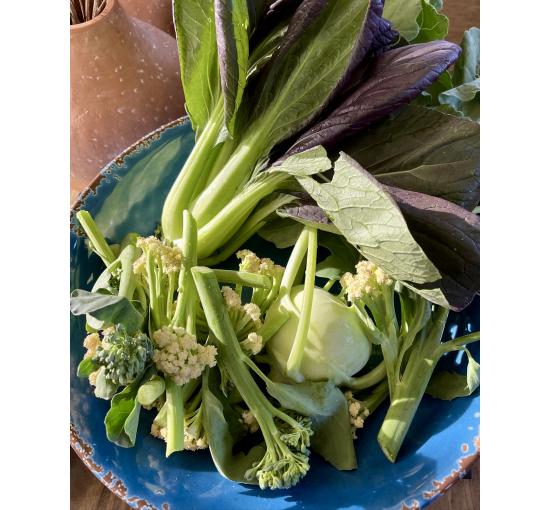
(125, 82)
(156, 12)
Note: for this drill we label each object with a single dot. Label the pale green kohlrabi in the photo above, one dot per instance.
(312, 334)
(336, 347)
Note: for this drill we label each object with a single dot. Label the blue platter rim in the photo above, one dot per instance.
(425, 494)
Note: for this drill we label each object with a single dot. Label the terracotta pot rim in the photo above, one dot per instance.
(80, 27)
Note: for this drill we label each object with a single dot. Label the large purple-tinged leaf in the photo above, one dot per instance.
(298, 84)
(449, 235)
(395, 78)
(424, 150)
(428, 243)
(232, 26)
(307, 12)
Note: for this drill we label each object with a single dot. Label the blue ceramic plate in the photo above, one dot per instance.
(441, 445)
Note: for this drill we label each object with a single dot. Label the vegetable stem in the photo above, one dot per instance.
(294, 262)
(298, 346)
(184, 187)
(411, 386)
(95, 236)
(376, 375)
(254, 280)
(221, 227)
(189, 259)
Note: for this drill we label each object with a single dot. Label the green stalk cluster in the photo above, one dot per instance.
(286, 439)
(411, 348)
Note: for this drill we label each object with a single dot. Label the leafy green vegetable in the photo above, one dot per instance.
(333, 438)
(371, 221)
(403, 15)
(86, 367)
(122, 419)
(223, 429)
(151, 390)
(394, 79)
(449, 236)
(107, 309)
(467, 67)
(232, 23)
(463, 99)
(433, 24)
(451, 385)
(194, 21)
(286, 456)
(104, 387)
(423, 150)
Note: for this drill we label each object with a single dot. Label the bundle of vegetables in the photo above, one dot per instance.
(317, 123)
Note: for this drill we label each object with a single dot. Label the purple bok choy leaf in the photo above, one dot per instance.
(232, 25)
(394, 79)
(449, 235)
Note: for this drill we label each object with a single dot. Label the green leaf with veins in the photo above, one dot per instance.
(197, 50)
(403, 15)
(309, 162)
(107, 309)
(450, 385)
(301, 82)
(433, 25)
(370, 220)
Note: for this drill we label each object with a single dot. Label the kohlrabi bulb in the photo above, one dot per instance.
(336, 346)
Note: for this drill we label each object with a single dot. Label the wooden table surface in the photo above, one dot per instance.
(87, 493)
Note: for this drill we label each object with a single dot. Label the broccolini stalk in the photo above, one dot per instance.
(189, 259)
(176, 392)
(411, 349)
(98, 242)
(423, 357)
(409, 388)
(286, 458)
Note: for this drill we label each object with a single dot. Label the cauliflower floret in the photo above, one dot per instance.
(251, 263)
(249, 421)
(158, 431)
(253, 343)
(180, 356)
(357, 413)
(232, 299)
(167, 256)
(91, 342)
(368, 280)
(254, 313)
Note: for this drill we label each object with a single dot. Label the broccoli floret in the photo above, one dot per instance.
(287, 439)
(124, 356)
